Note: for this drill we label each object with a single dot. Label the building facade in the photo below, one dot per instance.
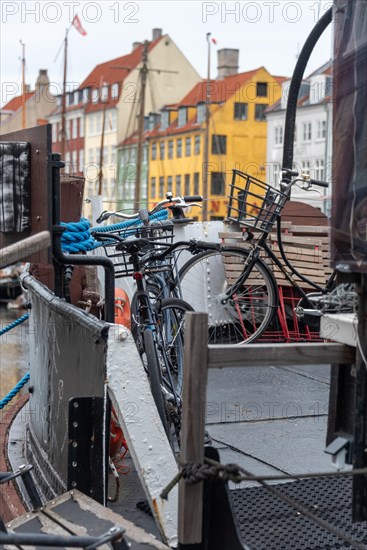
(312, 137)
(237, 136)
(39, 103)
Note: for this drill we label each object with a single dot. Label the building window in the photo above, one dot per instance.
(188, 147)
(307, 131)
(114, 91)
(260, 112)
(240, 111)
(321, 129)
(161, 187)
(90, 155)
(67, 163)
(104, 93)
(161, 150)
(178, 186)
(153, 189)
(217, 183)
(54, 133)
(98, 123)
(179, 148)
(81, 127)
(197, 145)
(95, 95)
(278, 135)
(306, 165)
(81, 160)
(219, 144)
(113, 120)
(164, 120)
(154, 151)
(276, 173)
(182, 116)
(201, 111)
(74, 128)
(319, 170)
(187, 184)
(196, 183)
(262, 89)
(169, 184)
(170, 149)
(91, 125)
(74, 157)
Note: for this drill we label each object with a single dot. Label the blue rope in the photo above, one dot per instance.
(25, 378)
(78, 238)
(14, 324)
(14, 391)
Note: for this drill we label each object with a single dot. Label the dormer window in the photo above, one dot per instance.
(71, 98)
(104, 93)
(153, 121)
(115, 91)
(182, 116)
(201, 113)
(165, 120)
(86, 95)
(95, 95)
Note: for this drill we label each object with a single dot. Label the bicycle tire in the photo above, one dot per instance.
(245, 317)
(171, 328)
(153, 368)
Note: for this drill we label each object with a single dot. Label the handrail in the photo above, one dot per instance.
(20, 250)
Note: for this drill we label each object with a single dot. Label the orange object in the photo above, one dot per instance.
(117, 439)
(122, 308)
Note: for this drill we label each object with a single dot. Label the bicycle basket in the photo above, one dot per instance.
(253, 203)
(158, 234)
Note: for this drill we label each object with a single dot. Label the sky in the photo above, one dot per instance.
(267, 33)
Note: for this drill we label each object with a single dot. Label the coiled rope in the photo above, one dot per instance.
(77, 236)
(25, 378)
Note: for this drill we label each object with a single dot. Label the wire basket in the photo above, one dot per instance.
(253, 203)
(159, 236)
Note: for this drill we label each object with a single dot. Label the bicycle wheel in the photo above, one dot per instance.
(171, 329)
(151, 362)
(244, 317)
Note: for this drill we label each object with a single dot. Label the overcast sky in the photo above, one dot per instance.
(268, 33)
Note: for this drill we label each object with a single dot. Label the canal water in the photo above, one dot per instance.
(13, 352)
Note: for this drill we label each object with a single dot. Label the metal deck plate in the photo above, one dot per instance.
(268, 523)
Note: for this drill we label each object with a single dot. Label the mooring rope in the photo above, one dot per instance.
(25, 378)
(78, 235)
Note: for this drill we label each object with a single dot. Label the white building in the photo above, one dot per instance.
(312, 139)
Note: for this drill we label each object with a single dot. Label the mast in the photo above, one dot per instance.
(100, 175)
(206, 138)
(63, 103)
(143, 80)
(23, 87)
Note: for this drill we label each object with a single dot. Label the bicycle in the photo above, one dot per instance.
(203, 279)
(157, 326)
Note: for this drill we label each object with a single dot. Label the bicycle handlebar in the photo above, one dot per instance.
(184, 202)
(319, 183)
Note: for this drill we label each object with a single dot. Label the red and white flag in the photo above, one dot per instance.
(78, 25)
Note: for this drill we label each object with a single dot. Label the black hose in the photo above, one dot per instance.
(290, 119)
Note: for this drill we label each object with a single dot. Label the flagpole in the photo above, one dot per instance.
(206, 138)
(24, 97)
(63, 104)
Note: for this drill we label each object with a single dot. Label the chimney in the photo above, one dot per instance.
(42, 79)
(227, 62)
(157, 33)
(136, 45)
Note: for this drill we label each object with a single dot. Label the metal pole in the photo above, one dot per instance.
(24, 98)
(63, 102)
(205, 174)
(143, 80)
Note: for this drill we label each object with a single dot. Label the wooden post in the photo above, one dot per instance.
(190, 505)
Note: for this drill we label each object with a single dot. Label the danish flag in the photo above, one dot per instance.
(78, 25)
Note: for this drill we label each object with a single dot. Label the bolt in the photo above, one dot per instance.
(31, 389)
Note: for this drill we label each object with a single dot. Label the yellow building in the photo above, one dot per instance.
(237, 138)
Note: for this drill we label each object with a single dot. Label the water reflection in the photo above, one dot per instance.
(14, 360)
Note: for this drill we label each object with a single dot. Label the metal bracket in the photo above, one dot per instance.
(88, 447)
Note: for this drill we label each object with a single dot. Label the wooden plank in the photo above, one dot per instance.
(264, 355)
(190, 514)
